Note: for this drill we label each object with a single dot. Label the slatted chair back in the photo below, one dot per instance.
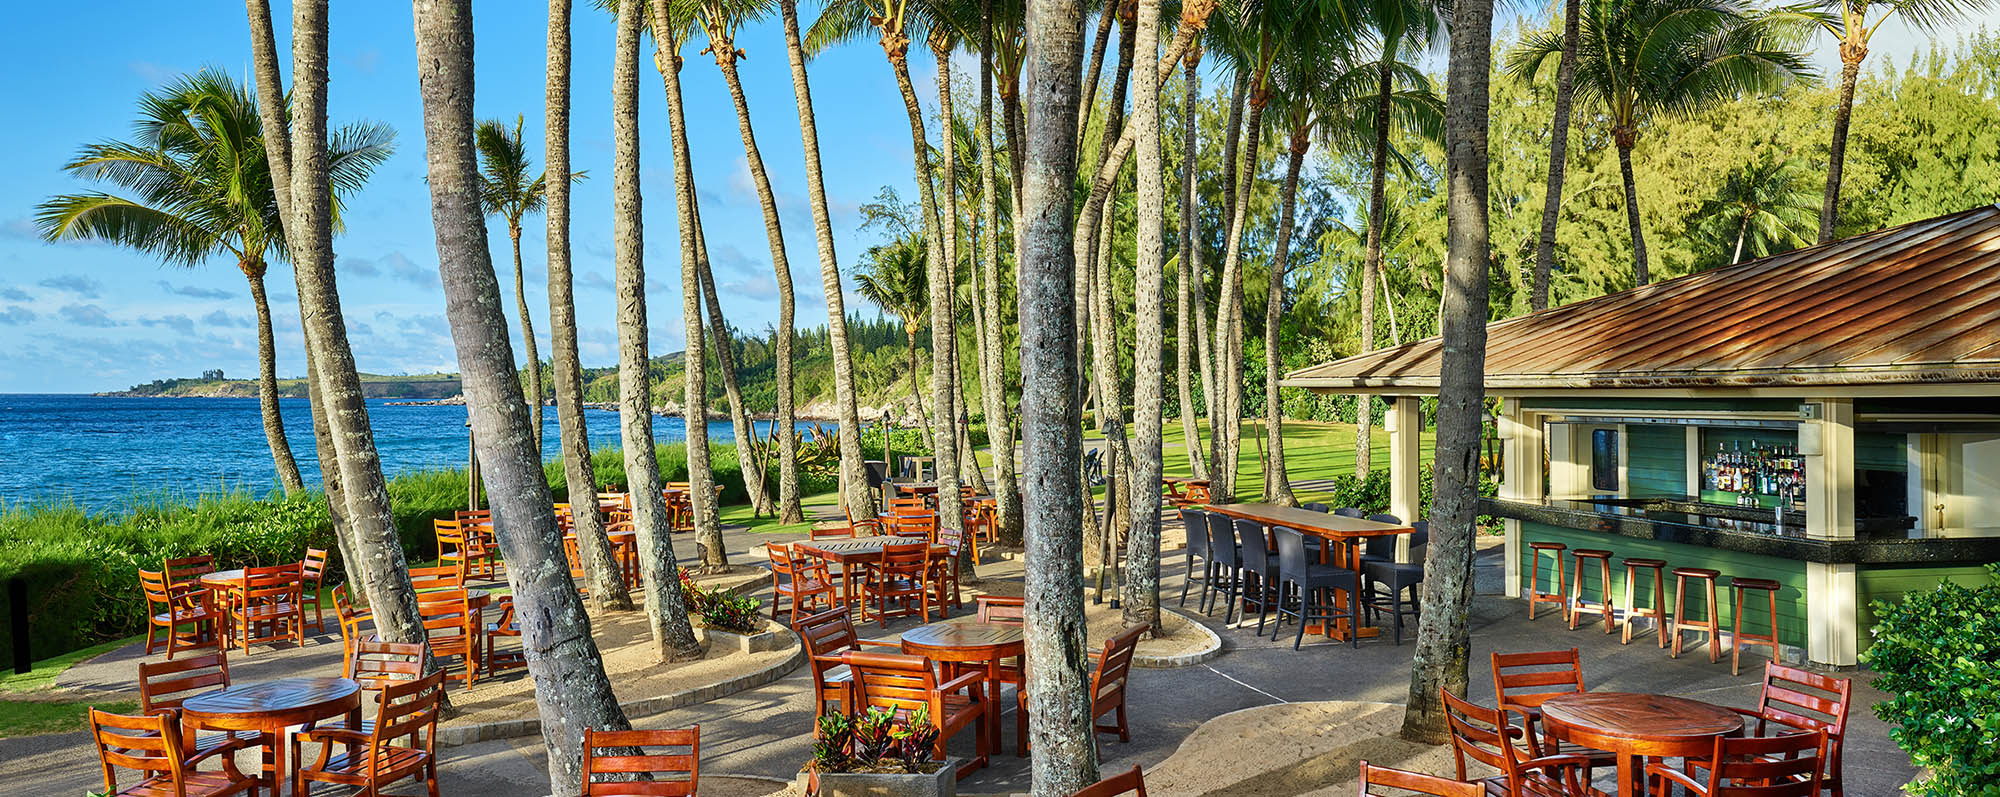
(407, 709)
(1114, 669)
(670, 758)
(1128, 782)
(913, 503)
(376, 664)
(861, 527)
(450, 537)
(147, 744)
(350, 618)
(1809, 701)
(827, 531)
(473, 517)
(434, 578)
(158, 593)
(1414, 782)
(1478, 733)
(998, 609)
(1529, 679)
(892, 680)
(186, 572)
(914, 525)
(164, 684)
(574, 558)
(1787, 765)
(312, 570)
(826, 635)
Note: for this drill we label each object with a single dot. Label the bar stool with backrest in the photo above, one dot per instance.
(1578, 605)
(152, 745)
(1657, 611)
(167, 612)
(1194, 525)
(1795, 700)
(1749, 766)
(1737, 587)
(1536, 596)
(1488, 737)
(1225, 576)
(1414, 783)
(1309, 587)
(1260, 571)
(1525, 681)
(1712, 625)
(825, 636)
(1348, 511)
(1316, 506)
(657, 755)
(1401, 578)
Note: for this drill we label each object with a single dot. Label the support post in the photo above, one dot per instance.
(1832, 608)
(1406, 431)
(1521, 477)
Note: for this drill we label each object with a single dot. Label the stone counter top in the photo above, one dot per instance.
(1973, 546)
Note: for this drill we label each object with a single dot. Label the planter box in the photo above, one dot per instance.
(773, 637)
(942, 783)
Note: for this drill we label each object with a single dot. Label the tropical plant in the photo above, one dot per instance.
(1764, 207)
(202, 187)
(874, 740)
(1545, 242)
(507, 190)
(1935, 655)
(1640, 58)
(895, 276)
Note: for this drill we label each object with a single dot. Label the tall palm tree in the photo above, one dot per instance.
(1443, 642)
(1848, 22)
(724, 343)
(567, 669)
(1764, 206)
(507, 189)
(1637, 58)
(1192, 296)
(1142, 570)
(202, 188)
(607, 581)
(1545, 245)
(992, 354)
(853, 482)
(720, 19)
(895, 276)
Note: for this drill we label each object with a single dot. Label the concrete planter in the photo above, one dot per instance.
(942, 783)
(773, 637)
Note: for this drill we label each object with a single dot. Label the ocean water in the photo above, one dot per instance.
(100, 451)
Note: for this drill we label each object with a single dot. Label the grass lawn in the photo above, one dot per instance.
(31, 717)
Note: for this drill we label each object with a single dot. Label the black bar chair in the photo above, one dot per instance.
(1224, 575)
(1348, 511)
(1260, 571)
(1309, 588)
(1195, 523)
(1317, 507)
(1398, 578)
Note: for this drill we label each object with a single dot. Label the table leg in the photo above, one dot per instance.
(993, 712)
(1628, 776)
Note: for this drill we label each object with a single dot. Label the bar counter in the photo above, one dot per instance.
(1752, 531)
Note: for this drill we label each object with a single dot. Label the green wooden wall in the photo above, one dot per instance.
(1791, 575)
(1881, 451)
(1656, 460)
(1890, 584)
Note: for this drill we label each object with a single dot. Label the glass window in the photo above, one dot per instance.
(1604, 459)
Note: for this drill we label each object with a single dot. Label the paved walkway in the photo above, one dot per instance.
(766, 731)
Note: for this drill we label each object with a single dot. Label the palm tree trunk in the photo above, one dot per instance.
(267, 383)
(1189, 285)
(1229, 330)
(1142, 566)
(666, 608)
(789, 510)
(1064, 758)
(993, 368)
(1640, 274)
(329, 480)
(855, 494)
(1110, 401)
(694, 412)
(309, 230)
(725, 359)
(534, 363)
(1742, 232)
(1095, 70)
(1278, 485)
(1443, 641)
(1371, 262)
(1852, 50)
(947, 202)
(1216, 375)
(1545, 248)
(916, 389)
(571, 688)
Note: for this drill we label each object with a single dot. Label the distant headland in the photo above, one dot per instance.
(213, 384)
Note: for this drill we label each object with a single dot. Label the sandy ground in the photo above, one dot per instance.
(1299, 749)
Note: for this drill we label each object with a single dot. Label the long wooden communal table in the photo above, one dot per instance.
(1337, 530)
(852, 553)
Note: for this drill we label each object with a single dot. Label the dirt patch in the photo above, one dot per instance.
(726, 786)
(1302, 749)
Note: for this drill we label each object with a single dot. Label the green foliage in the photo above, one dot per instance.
(875, 740)
(1937, 653)
(721, 608)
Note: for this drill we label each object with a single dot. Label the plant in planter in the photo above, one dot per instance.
(878, 752)
(1937, 657)
(723, 609)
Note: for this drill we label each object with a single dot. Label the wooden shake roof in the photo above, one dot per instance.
(1914, 304)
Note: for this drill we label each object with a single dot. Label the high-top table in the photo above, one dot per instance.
(273, 708)
(1337, 530)
(1636, 726)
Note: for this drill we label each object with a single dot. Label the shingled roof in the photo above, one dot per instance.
(1917, 303)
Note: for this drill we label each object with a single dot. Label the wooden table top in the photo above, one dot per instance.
(857, 547)
(1594, 718)
(273, 704)
(223, 579)
(1182, 480)
(1321, 524)
(973, 640)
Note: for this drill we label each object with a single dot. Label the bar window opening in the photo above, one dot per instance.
(1604, 459)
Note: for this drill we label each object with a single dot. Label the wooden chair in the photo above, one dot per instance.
(435, 578)
(268, 598)
(167, 612)
(623, 755)
(507, 626)
(1416, 783)
(1000, 609)
(1128, 782)
(826, 636)
(894, 681)
(466, 545)
(152, 745)
(184, 574)
(1526, 680)
(1107, 690)
(831, 530)
(404, 710)
(1756, 766)
(898, 579)
(801, 579)
(944, 567)
(1796, 700)
(312, 576)
(375, 665)
(350, 617)
(164, 685)
(977, 524)
(452, 627)
(575, 559)
(1486, 736)
(861, 527)
(912, 525)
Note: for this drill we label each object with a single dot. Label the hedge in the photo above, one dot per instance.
(1938, 654)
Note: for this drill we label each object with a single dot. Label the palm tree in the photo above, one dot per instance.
(853, 482)
(202, 188)
(1192, 298)
(567, 669)
(607, 581)
(1142, 570)
(1847, 21)
(1765, 206)
(992, 354)
(1545, 245)
(507, 190)
(895, 276)
(721, 19)
(1443, 642)
(1637, 58)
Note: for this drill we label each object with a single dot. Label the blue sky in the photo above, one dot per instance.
(87, 317)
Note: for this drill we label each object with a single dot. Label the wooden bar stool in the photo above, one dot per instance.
(1536, 596)
(1658, 611)
(1738, 638)
(1577, 605)
(1713, 625)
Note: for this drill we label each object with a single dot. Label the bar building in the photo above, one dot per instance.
(1827, 418)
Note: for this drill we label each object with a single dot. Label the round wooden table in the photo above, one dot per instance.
(272, 708)
(970, 643)
(1636, 726)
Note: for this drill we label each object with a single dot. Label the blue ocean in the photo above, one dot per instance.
(100, 451)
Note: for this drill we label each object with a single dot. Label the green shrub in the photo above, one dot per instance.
(722, 608)
(1938, 653)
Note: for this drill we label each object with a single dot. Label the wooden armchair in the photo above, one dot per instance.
(1753, 766)
(465, 545)
(404, 710)
(897, 682)
(826, 636)
(1414, 783)
(350, 618)
(898, 580)
(1795, 700)
(312, 576)
(1107, 690)
(152, 745)
(184, 574)
(1486, 736)
(266, 606)
(167, 612)
(375, 665)
(802, 579)
(164, 685)
(861, 527)
(624, 756)
(452, 627)
(1128, 782)
(1526, 680)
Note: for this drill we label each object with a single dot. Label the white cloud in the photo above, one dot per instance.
(87, 315)
(78, 284)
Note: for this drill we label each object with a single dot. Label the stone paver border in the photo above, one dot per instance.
(1189, 659)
